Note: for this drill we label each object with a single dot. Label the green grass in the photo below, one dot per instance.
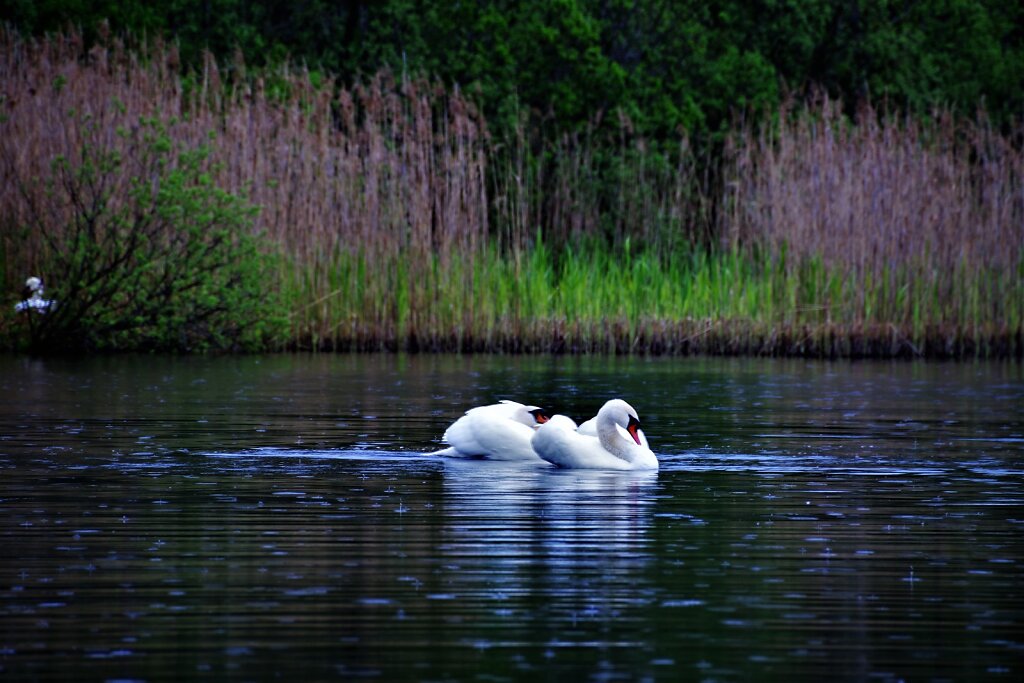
(588, 299)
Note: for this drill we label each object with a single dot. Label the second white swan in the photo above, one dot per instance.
(616, 442)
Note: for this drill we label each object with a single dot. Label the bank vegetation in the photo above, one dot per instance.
(182, 209)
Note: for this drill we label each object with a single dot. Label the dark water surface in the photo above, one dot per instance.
(276, 518)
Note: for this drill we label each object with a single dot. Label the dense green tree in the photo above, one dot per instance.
(667, 63)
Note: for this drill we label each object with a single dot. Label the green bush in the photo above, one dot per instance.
(142, 251)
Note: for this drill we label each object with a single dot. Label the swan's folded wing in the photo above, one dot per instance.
(555, 440)
(504, 439)
(462, 436)
(504, 409)
(492, 431)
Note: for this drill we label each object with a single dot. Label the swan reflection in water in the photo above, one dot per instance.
(577, 539)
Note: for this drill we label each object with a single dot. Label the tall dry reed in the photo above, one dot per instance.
(921, 202)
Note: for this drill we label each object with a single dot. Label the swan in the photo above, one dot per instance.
(615, 441)
(497, 432)
(33, 297)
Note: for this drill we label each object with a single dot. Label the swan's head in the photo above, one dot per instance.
(622, 415)
(531, 416)
(33, 286)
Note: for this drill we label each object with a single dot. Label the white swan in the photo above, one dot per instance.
(33, 297)
(497, 432)
(616, 443)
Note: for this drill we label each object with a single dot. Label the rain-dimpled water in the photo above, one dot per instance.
(282, 517)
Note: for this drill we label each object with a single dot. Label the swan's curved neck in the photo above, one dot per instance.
(612, 440)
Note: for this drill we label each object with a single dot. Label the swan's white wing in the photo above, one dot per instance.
(462, 437)
(491, 432)
(495, 411)
(552, 442)
(509, 410)
(589, 427)
(563, 422)
(505, 440)
(505, 407)
(462, 434)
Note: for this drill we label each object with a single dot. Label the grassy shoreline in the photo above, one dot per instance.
(697, 302)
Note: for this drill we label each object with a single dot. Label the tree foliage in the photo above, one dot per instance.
(666, 63)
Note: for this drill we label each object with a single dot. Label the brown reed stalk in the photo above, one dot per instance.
(880, 192)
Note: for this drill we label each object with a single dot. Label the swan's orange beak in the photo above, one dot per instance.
(539, 416)
(633, 427)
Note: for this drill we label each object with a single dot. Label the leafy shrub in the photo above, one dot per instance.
(142, 251)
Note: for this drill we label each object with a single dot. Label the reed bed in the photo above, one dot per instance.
(911, 208)
(582, 301)
(389, 166)
(406, 224)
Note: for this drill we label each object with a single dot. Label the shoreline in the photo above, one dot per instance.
(709, 339)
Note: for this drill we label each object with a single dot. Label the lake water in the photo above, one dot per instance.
(277, 517)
